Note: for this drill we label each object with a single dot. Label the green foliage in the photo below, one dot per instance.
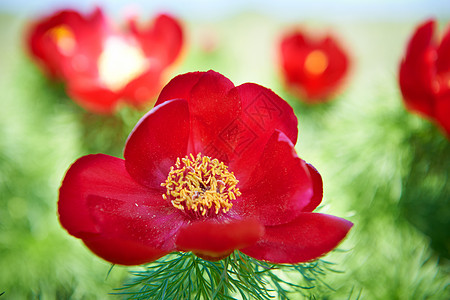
(186, 276)
(425, 199)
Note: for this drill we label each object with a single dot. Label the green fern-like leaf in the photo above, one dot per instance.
(186, 276)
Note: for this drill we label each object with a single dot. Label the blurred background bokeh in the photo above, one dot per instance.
(383, 168)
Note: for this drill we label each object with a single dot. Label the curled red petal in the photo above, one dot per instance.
(179, 87)
(279, 186)
(417, 71)
(156, 141)
(212, 240)
(308, 237)
(317, 185)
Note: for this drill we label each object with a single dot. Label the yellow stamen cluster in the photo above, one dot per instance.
(201, 184)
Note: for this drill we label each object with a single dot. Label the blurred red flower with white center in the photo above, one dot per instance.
(101, 64)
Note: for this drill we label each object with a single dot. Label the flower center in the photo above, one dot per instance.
(64, 39)
(201, 185)
(119, 63)
(316, 62)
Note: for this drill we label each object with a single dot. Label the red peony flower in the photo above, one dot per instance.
(210, 169)
(313, 69)
(101, 64)
(425, 75)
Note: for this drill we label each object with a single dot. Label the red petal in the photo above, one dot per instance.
(306, 238)
(90, 37)
(443, 54)
(144, 88)
(237, 131)
(155, 143)
(101, 204)
(279, 187)
(205, 92)
(92, 174)
(123, 252)
(162, 41)
(100, 175)
(179, 87)
(210, 239)
(338, 65)
(43, 47)
(416, 74)
(317, 189)
(87, 31)
(212, 110)
(263, 113)
(420, 42)
(144, 224)
(90, 95)
(443, 112)
(291, 55)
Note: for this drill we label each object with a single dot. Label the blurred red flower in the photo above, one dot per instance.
(313, 69)
(210, 169)
(102, 65)
(425, 75)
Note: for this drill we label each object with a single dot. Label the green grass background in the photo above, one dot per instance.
(383, 168)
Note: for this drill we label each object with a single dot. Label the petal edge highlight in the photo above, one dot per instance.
(156, 141)
(308, 237)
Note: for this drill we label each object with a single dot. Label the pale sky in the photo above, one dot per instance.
(284, 9)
